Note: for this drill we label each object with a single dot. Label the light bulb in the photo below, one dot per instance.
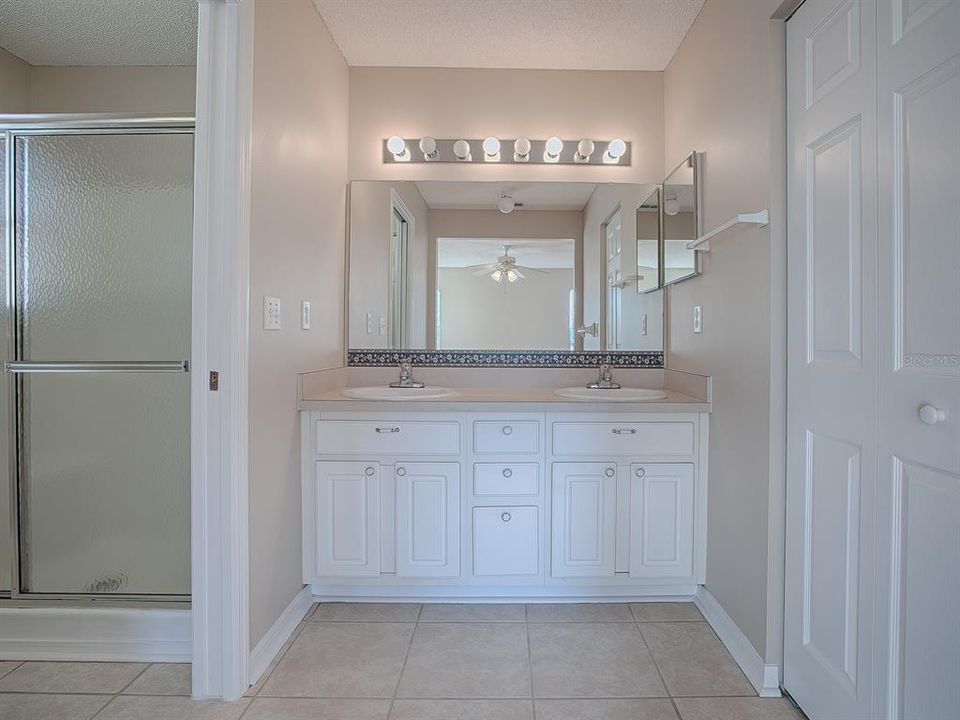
(511, 276)
(461, 148)
(428, 146)
(491, 147)
(521, 149)
(497, 275)
(615, 150)
(506, 204)
(552, 149)
(671, 206)
(398, 147)
(584, 150)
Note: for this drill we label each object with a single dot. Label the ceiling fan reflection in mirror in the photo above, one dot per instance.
(505, 268)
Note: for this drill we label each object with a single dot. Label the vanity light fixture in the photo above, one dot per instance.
(616, 149)
(521, 150)
(428, 146)
(552, 149)
(506, 204)
(398, 146)
(461, 148)
(491, 150)
(584, 151)
(671, 206)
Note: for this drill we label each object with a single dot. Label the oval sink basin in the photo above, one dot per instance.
(379, 392)
(619, 395)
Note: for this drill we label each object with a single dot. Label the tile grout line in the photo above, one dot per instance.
(666, 689)
(403, 665)
(533, 694)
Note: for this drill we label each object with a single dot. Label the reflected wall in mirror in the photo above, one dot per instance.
(681, 220)
(648, 243)
(501, 266)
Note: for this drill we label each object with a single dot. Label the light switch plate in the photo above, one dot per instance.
(305, 315)
(698, 318)
(271, 313)
(383, 325)
(643, 324)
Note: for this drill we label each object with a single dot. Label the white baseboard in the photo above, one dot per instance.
(505, 594)
(764, 677)
(104, 634)
(271, 643)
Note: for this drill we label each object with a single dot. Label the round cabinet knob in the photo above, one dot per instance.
(369, 471)
(507, 430)
(401, 471)
(640, 472)
(505, 517)
(609, 472)
(931, 414)
(507, 472)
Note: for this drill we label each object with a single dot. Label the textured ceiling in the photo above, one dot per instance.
(100, 32)
(560, 34)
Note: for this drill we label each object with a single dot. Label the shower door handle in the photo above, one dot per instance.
(107, 366)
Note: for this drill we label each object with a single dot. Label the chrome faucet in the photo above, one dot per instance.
(406, 376)
(605, 381)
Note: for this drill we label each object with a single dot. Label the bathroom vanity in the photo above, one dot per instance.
(493, 493)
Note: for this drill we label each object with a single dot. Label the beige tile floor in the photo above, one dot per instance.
(643, 661)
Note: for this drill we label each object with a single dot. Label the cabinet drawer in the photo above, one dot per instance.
(506, 437)
(648, 438)
(506, 541)
(363, 437)
(505, 479)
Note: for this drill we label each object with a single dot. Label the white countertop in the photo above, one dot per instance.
(505, 398)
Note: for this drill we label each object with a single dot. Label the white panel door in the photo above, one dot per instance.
(661, 520)
(428, 519)
(918, 95)
(584, 519)
(348, 519)
(832, 358)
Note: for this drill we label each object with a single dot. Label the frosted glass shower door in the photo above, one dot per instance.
(102, 246)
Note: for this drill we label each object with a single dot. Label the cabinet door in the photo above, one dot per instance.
(661, 520)
(506, 541)
(428, 519)
(584, 519)
(348, 518)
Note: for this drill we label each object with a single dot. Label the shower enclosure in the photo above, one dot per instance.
(95, 414)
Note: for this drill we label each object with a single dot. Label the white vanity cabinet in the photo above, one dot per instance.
(503, 504)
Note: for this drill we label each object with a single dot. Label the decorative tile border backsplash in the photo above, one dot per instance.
(506, 358)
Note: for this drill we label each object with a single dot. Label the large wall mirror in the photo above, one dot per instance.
(504, 266)
(681, 220)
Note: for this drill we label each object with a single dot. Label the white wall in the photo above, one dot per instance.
(602, 204)
(716, 92)
(113, 89)
(371, 214)
(14, 84)
(298, 211)
(530, 314)
(450, 103)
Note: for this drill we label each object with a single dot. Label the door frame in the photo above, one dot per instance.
(221, 283)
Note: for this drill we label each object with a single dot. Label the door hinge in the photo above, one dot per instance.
(214, 380)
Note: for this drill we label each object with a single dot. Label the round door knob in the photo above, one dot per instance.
(505, 517)
(507, 472)
(369, 471)
(931, 414)
(507, 430)
(609, 472)
(401, 471)
(640, 472)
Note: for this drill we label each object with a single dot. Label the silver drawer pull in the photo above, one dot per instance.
(383, 430)
(507, 472)
(624, 431)
(640, 472)
(507, 430)
(401, 471)
(609, 472)
(505, 517)
(369, 471)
